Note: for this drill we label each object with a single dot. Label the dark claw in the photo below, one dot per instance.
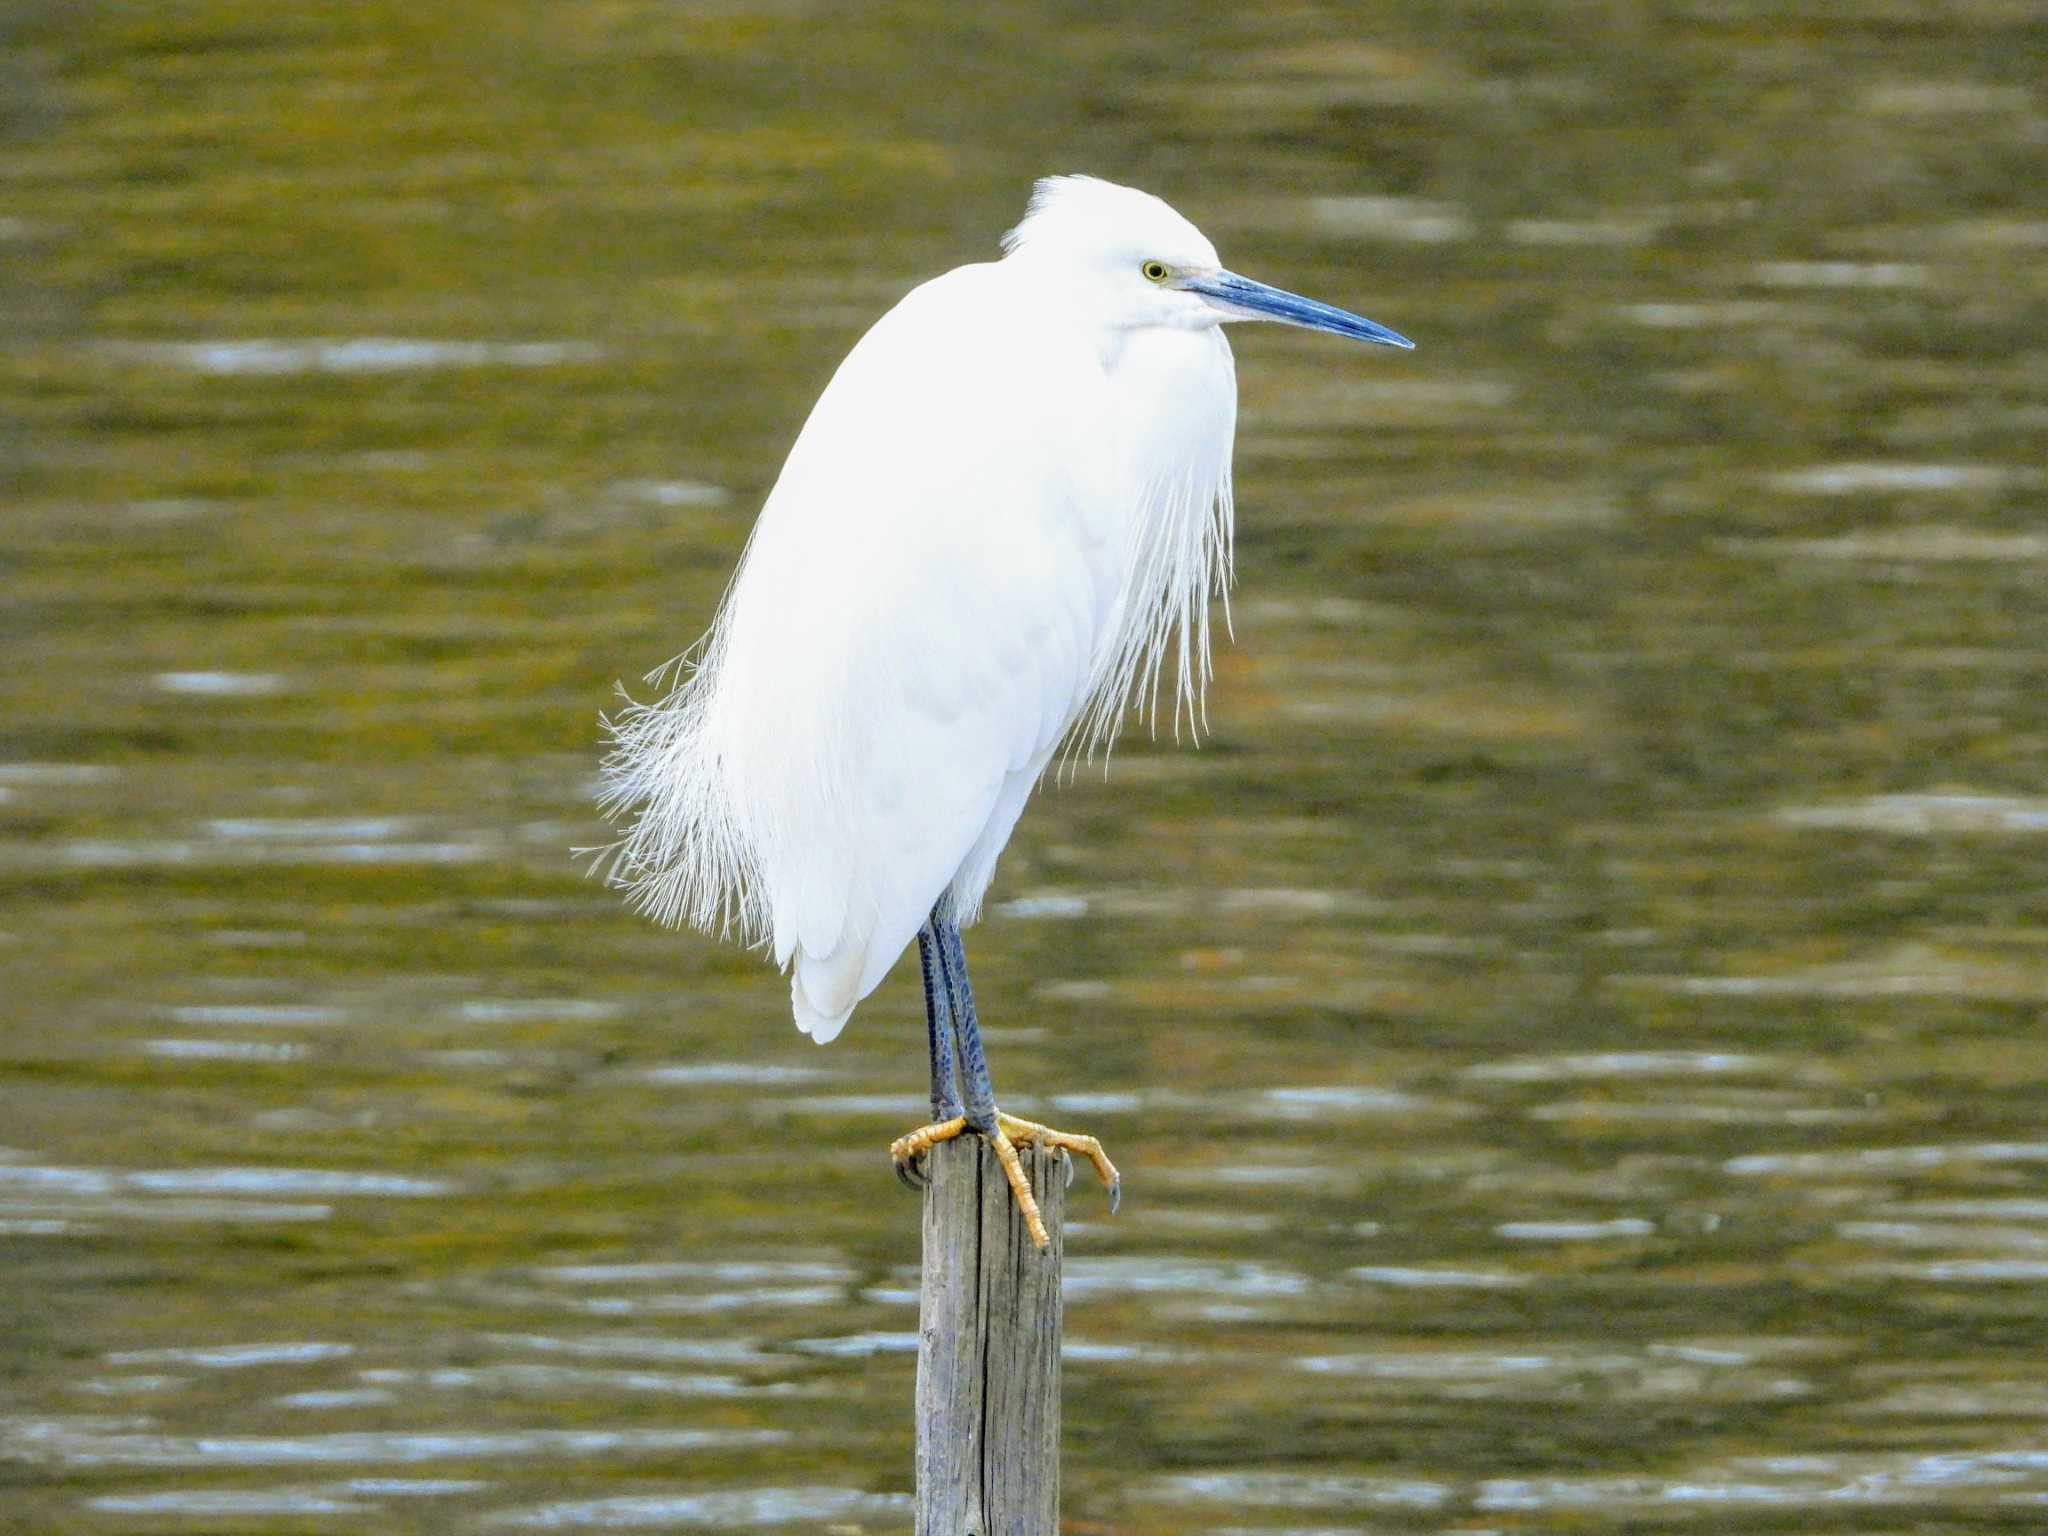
(1116, 1194)
(911, 1176)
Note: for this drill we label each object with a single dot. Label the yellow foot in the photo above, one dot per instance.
(904, 1152)
(1071, 1142)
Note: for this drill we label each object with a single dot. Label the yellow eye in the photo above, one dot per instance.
(1155, 271)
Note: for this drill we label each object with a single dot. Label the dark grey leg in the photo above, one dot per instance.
(975, 1089)
(948, 996)
(938, 1019)
(938, 1023)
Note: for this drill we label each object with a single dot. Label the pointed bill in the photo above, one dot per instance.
(1248, 300)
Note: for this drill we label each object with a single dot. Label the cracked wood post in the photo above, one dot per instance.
(988, 1348)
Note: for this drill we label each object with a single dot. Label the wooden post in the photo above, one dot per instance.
(988, 1350)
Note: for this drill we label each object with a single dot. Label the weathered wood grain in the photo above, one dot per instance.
(988, 1357)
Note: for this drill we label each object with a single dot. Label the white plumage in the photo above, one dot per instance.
(1003, 520)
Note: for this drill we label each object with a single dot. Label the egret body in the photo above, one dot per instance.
(1002, 522)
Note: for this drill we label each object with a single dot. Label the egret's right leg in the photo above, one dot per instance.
(938, 1023)
(947, 1121)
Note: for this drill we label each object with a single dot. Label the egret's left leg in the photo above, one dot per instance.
(979, 1112)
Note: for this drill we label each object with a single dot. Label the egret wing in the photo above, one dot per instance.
(915, 623)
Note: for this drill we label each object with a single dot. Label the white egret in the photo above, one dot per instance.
(1008, 508)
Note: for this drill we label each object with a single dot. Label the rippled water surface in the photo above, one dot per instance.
(1573, 1035)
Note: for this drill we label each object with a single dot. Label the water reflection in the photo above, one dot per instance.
(91, 1445)
(743, 1509)
(353, 354)
(229, 1357)
(225, 1504)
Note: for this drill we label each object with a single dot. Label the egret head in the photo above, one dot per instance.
(1145, 265)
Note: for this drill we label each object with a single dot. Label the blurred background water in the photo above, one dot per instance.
(1573, 1035)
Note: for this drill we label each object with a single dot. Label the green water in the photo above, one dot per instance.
(1572, 1036)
